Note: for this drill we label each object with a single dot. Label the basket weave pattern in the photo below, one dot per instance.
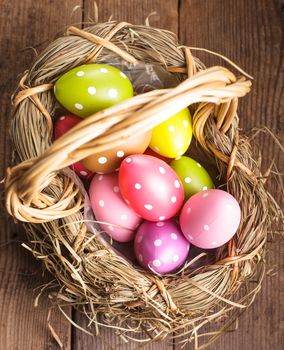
(40, 194)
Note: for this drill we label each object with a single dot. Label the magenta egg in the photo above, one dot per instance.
(62, 125)
(151, 187)
(160, 246)
(115, 217)
(210, 218)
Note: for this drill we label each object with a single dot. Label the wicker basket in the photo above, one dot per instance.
(40, 193)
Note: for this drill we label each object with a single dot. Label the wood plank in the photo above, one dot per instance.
(24, 24)
(251, 34)
(133, 11)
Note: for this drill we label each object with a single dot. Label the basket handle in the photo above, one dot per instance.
(25, 183)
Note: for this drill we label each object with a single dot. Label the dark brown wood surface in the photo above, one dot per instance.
(250, 32)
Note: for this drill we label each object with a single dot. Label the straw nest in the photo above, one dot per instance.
(39, 192)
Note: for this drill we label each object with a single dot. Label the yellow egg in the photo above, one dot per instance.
(172, 137)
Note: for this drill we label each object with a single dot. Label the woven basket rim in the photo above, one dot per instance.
(49, 202)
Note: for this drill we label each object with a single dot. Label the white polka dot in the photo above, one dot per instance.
(156, 263)
(140, 257)
(185, 123)
(156, 148)
(120, 154)
(137, 186)
(62, 118)
(206, 227)
(187, 180)
(158, 242)
(103, 70)
(175, 258)
(139, 239)
(92, 90)
(180, 153)
(204, 188)
(101, 177)
(174, 236)
(160, 224)
(162, 189)
(80, 73)
(123, 217)
(112, 93)
(116, 189)
(188, 210)
(83, 173)
(199, 165)
(173, 199)
(128, 160)
(111, 228)
(148, 206)
(171, 128)
(162, 170)
(177, 184)
(228, 207)
(79, 106)
(123, 75)
(101, 203)
(102, 160)
(205, 194)
(162, 218)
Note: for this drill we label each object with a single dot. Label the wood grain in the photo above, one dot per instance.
(251, 34)
(164, 13)
(24, 24)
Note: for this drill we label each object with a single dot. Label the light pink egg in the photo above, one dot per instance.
(160, 246)
(210, 218)
(109, 207)
(62, 125)
(151, 187)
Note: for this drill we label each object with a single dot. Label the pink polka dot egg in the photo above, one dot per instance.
(210, 218)
(114, 216)
(160, 246)
(151, 187)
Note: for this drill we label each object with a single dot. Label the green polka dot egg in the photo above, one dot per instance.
(172, 137)
(90, 88)
(193, 176)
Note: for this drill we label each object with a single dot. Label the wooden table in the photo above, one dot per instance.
(250, 32)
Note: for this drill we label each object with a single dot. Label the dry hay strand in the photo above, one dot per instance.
(90, 274)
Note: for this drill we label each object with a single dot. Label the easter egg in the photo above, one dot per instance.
(114, 216)
(172, 137)
(87, 89)
(210, 218)
(109, 161)
(81, 171)
(150, 186)
(193, 176)
(160, 246)
(150, 152)
(62, 125)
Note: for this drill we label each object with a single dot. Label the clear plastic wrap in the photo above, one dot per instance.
(144, 77)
